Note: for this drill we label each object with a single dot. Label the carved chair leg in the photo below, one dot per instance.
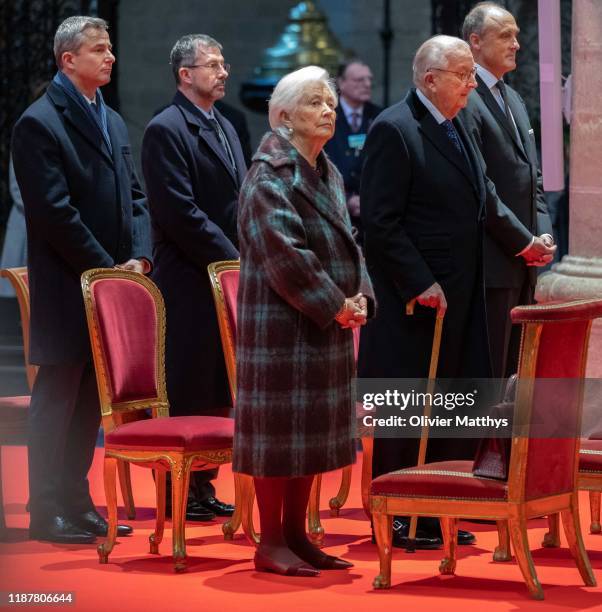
(552, 538)
(230, 527)
(314, 527)
(449, 530)
(125, 482)
(110, 482)
(518, 534)
(248, 501)
(157, 537)
(502, 550)
(383, 533)
(572, 530)
(337, 502)
(367, 446)
(594, 506)
(180, 478)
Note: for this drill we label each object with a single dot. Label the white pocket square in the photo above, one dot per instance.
(531, 131)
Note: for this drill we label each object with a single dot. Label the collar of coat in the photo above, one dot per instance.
(326, 193)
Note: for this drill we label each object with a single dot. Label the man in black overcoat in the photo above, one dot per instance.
(424, 199)
(497, 119)
(193, 165)
(355, 114)
(84, 209)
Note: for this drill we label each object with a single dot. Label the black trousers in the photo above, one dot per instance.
(504, 338)
(64, 418)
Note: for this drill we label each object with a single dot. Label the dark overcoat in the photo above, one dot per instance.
(83, 208)
(511, 159)
(423, 206)
(193, 197)
(294, 410)
(348, 160)
(513, 166)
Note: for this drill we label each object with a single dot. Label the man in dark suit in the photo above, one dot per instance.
(193, 165)
(355, 114)
(84, 209)
(424, 197)
(497, 119)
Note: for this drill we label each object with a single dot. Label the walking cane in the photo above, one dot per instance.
(424, 432)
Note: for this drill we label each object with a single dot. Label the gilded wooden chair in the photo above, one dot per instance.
(543, 470)
(336, 503)
(589, 478)
(223, 276)
(224, 282)
(126, 321)
(13, 410)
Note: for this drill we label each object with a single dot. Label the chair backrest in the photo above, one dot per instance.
(19, 279)
(126, 321)
(224, 284)
(549, 396)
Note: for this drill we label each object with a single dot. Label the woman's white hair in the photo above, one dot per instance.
(289, 91)
(436, 52)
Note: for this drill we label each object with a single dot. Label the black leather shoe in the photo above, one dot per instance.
(423, 541)
(432, 526)
(61, 530)
(194, 513)
(219, 508)
(92, 521)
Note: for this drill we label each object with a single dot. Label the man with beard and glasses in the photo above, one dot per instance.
(193, 165)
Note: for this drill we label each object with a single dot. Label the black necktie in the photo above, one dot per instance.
(502, 89)
(453, 135)
(223, 140)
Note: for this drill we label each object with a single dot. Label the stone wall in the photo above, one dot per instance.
(149, 28)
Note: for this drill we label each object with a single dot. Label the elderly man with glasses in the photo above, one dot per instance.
(423, 201)
(194, 166)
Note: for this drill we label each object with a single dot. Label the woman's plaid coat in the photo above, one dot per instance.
(294, 407)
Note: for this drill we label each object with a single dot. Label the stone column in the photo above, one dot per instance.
(579, 274)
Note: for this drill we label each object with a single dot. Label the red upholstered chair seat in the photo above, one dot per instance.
(590, 456)
(440, 480)
(187, 434)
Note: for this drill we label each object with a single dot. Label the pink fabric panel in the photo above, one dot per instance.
(187, 433)
(229, 281)
(128, 327)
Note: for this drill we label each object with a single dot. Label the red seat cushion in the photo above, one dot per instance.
(186, 433)
(590, 456)
(440, 480)
(14, 409)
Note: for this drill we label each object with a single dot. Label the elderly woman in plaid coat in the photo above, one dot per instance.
(303, 288)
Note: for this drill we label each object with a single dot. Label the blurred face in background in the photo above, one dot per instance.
(355, 84)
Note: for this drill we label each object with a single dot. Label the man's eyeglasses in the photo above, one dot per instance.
(213, 66)
(463, 76)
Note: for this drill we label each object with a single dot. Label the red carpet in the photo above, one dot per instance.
(221, 575)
